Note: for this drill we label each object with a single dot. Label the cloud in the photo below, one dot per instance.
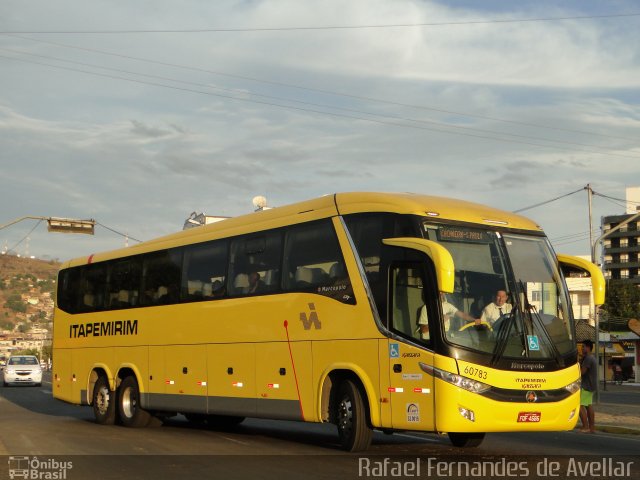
(139, 128)
(141, 157)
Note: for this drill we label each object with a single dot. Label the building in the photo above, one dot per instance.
(621, 249)
(581, 294)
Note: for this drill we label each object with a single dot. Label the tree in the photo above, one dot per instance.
(28, 351)
(15, 303)
(47, 353)
(622, 300)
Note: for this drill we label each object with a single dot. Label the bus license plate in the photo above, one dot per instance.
(529, 417)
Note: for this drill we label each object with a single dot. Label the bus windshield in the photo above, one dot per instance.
(509, 300)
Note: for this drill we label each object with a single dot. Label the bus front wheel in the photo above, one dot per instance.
(131, 414)
(351, 418)
(466, 440)
(104, 402)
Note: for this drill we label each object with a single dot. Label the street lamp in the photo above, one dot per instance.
(58, 224)
(69, 225)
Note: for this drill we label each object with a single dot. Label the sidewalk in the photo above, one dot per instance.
(617, 417)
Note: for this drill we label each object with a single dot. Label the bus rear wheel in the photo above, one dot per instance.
(351, 418)
(131, 414)
(466, 440)
(104, 402)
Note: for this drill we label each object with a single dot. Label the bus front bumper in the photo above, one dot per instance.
(462, 411)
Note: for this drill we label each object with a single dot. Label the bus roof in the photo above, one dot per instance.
(327, 206)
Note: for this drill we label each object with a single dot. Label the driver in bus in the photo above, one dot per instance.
(496, 309)
(449, 311)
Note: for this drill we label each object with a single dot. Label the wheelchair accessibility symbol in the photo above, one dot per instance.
(533, 342)
(394, 350)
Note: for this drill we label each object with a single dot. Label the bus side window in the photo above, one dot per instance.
(93, 287)
(161, 273)
(204, 270)
(313, 262)
(124, 282)
(253, 256)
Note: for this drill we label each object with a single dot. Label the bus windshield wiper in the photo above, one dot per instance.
(503, 334)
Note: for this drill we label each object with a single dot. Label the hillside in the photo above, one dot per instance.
(27, 289)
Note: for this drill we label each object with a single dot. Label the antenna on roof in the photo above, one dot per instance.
(260, 203)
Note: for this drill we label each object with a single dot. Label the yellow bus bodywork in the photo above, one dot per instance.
(274, 356)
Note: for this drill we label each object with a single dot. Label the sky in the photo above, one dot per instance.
(138, 113)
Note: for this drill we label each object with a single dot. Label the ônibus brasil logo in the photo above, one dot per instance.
(35, 468)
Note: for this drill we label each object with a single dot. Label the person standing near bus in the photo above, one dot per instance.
(588, 369)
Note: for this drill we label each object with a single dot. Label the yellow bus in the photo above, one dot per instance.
(360, 309)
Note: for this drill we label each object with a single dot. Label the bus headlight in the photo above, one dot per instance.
(573, 387)
(465, 383)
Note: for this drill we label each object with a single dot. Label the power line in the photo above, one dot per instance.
(325, 27)
(361, 112)
(342, 115)
(626, 202)
(574, 235)
(615, 202)
(326, 92)
(585, 238)
(13, 249)
(119, 233)
(547, 201)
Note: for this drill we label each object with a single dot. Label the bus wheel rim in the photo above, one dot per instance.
(103, 400)
(345, 416)
(128, 403)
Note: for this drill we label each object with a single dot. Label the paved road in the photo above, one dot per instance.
(33, 424)
(625, 394)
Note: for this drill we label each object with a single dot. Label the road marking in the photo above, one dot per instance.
(415, 437)
(26, 441)
(235, 441)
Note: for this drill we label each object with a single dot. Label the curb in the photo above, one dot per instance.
(608, 428)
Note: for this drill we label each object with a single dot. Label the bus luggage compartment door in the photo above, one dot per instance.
(410, 390)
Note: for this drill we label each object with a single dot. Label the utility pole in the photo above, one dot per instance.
(595, 311)
(589, 198)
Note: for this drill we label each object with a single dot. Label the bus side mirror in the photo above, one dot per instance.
(440, 256)
(572, 263)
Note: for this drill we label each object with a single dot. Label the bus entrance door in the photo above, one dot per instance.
(410, 390)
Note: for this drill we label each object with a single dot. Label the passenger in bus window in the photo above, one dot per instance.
(217, 289)
(168, 295)
(449, 311)
(149, 297)
(255, 284)
(492, 312)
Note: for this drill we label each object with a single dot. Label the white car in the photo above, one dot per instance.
(22, 369)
